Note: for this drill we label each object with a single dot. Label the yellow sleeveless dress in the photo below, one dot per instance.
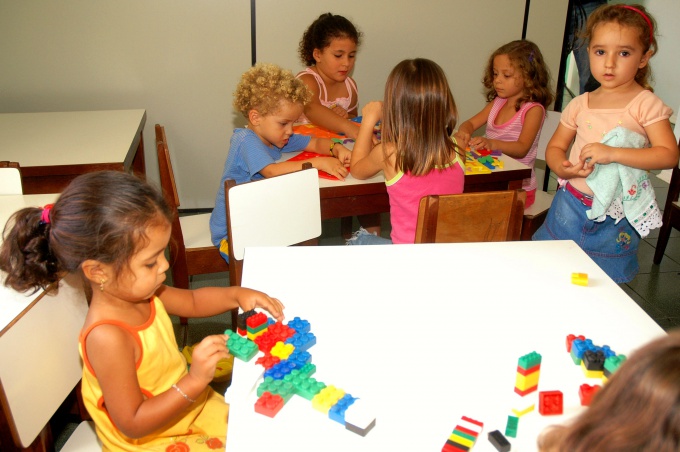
(204, 425)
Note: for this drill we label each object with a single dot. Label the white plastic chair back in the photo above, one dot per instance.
(10, 181)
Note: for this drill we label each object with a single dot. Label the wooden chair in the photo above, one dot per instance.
(279, 211)
(191, 249)
(41, 367)
(10, 178)
(494, 216)
(671, 215)
(535, 215)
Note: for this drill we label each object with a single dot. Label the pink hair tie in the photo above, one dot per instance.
(45, 216)
(644, 16)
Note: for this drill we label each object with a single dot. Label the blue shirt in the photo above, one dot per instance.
(248, 155)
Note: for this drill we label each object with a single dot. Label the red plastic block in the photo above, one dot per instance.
(267, 361)
(550, 402)
(571, 339)
(531, 370)
(586, 393)
(269, 404)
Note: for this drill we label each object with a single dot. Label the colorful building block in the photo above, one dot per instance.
(276, 387)
(571, 338)
(299, 325)
(240, 347)
(550, 402)
(326, 398)
(612, 364)
(282, 350)
(337, 411)
(580, 279)
(269, 404)
(511, 426)
(499, 441)
(586, 393)
(464, 435)
(360, 417)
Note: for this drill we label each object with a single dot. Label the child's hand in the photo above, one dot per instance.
(332, 166)
(570, 171)
(206, 355)
(250, 299)
(340, 112)
(371, 113)
(593, 153)
(462, 139)
(480, 143)
(343, 154)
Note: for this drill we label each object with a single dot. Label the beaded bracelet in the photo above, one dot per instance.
(332, 146)
(183, 394)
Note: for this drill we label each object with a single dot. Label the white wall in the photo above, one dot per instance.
(180, 60)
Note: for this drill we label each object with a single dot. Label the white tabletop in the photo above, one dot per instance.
(69, 138)
(11, 301)
(429, 333)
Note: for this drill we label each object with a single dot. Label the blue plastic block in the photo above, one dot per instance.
(337, 411)
(300, 325)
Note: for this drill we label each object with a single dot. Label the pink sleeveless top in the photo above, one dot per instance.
(405, 192)
(344, 102)
(510, 132)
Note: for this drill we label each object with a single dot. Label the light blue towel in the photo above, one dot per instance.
(621, 191)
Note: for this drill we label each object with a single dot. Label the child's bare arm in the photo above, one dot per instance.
(662, 155)
(556, 155)
(520, 148)
(209, 301)
(366, 161)
(325, 117)
(112, 353)
(468, 127)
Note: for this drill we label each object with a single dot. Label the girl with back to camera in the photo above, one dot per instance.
(417, 154)
(621, 127)
(637, 410)
(517, 83)
(135, 381)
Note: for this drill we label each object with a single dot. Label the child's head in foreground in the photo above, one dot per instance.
(102, 216)
(530, 72)
(634, 17)
(322, 31)
(637, 410)
(419, 115)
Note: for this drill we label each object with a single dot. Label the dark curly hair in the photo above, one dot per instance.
(324, 29)
(527, 59)
(101, 216)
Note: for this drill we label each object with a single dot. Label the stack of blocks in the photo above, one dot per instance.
(463, 436)
(595, 361)
(526, 382)
(289, 369)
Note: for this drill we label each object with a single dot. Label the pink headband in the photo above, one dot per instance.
(45, 215)
(644, 16)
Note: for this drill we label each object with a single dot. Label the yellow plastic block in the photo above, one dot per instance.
(281, 350)
(591, 373)
(252, 336)
(580, 279)
(328, 397)
(460, 440)
(524, 382)
(519, 412)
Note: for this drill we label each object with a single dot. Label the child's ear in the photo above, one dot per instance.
(254, 117)
(645, 59)
(316, 53)
(95, 271)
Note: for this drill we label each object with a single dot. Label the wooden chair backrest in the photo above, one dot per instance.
(41, 364)
(471, 217)
(10, 178)
(279, 211)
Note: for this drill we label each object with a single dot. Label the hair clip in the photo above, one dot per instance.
(45, 215)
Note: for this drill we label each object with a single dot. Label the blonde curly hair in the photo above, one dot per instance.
(265, 85)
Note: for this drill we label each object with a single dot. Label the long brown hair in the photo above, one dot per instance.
(101, 216)
(527, 59)
(627, 16)
(637, 410)
(419, 116)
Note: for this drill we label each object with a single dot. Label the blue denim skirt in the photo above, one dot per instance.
(612, 246)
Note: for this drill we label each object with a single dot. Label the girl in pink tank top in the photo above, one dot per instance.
(517, 83)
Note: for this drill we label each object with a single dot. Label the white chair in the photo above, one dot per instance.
(10, 179)
(41, 366)
(534, 216)
(279, 211)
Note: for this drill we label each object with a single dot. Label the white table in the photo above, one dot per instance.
(53, 148)
(429, 333)
(13, 303)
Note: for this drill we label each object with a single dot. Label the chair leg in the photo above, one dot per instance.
(664, 234)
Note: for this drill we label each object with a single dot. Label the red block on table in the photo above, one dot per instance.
(586, 393)
(550, 402)
(269, 404)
